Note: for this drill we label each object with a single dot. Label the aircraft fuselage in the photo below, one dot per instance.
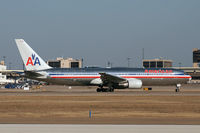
(85, 76)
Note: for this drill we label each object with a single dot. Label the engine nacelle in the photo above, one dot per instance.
(134, 83)
(130, 83)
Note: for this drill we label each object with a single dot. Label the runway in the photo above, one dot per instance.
(38, 128)
(186, 90)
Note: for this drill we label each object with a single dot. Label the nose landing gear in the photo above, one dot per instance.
(178, 87)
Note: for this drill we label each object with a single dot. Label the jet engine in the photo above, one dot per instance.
(134, 83)
(130, 83)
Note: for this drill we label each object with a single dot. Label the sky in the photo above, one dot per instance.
(101, 30)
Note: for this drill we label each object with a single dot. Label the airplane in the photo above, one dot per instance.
(4, 80)
(107, 79)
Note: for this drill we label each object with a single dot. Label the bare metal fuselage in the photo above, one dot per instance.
(84, 76)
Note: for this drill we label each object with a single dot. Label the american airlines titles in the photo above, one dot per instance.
(158, 71)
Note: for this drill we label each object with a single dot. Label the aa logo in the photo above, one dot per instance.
(33, 60)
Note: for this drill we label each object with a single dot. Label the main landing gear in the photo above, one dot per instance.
(101, 89)
(178, 87)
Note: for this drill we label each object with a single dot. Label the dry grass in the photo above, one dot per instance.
(45, 108)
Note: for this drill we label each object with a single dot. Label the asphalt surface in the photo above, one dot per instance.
(186, 90)
(39, 128)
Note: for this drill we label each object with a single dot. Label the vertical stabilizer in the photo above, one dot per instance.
(31, 59)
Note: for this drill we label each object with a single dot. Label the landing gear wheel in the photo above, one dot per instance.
(177, 90)
(178, 86)
(111, 89)
(99, 89)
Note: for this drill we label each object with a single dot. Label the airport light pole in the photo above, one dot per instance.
(109, 64)
(82, 63)
(10, 65)
(179, 64)
(4, 59)
(128, 59)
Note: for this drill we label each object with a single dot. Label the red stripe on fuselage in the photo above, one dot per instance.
(91, 77)
(79, 77)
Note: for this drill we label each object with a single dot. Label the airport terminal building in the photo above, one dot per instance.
(160, 63)
(65, 63)
(196, 57)
(157, 63)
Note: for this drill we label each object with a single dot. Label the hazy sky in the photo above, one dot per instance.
(101, 30)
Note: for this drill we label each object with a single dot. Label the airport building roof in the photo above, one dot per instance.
(157, 63)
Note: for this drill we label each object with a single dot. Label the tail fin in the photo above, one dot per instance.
(31, 59)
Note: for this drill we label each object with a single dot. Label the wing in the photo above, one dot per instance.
(12, 73)
(108, 78)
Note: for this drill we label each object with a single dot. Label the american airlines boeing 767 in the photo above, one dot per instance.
(107, 79)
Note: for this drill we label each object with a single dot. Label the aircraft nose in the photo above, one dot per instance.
(190, 78)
